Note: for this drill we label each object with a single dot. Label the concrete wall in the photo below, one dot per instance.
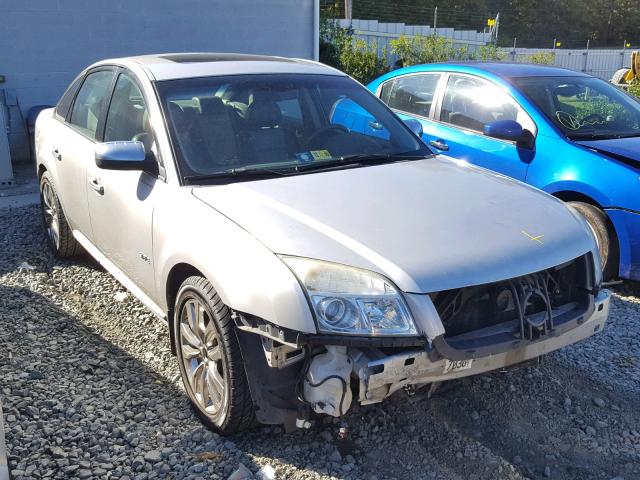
(601, 63)
(45, 43)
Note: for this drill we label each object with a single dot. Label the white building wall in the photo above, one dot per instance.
(45, 43)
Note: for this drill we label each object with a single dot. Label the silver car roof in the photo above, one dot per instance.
(170, 66)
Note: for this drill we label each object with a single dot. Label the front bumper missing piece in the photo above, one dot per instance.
(382, 377)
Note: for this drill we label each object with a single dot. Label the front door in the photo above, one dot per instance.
(121, 203)
(468, 104)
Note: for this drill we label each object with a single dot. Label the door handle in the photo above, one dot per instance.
(97, 186)
(56, 154)
(439, 144)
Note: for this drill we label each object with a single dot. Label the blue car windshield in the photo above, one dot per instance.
(248, 124)
(584, 107)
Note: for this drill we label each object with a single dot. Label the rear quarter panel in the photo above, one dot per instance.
(45, 130)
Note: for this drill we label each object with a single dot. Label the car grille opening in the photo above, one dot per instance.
(523, 308)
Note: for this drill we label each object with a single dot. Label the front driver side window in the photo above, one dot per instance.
(472, 103)
(128, 116)
(90, 102)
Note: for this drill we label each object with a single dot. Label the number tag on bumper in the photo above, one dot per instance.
(457, 365)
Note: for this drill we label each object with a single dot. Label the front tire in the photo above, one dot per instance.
(600, 225)
(210, 359)
(59, 235)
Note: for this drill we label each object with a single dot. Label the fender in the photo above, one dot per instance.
(248, 277)
(581, 188)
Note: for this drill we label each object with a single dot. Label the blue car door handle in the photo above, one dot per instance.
(439, 144)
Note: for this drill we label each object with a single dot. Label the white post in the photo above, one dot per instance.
(316, 30)
(6, 172)
(4, 466)
(348, 9)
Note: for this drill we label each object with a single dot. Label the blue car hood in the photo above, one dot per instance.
(625, 149)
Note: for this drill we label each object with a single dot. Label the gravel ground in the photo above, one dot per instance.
(90, 390)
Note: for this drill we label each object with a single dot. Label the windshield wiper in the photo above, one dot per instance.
(237, 172)
(292, 169)
(601, 136)
(357, 159)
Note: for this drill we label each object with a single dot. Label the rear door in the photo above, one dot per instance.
(73, 149)
(467, 105)
(414, 96)
(121, 203)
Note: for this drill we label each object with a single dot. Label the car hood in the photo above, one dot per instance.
(625, 149)
(428, 225)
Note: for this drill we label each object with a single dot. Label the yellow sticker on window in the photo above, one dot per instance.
(320, 154)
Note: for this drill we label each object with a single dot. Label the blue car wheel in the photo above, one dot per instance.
(603, 231)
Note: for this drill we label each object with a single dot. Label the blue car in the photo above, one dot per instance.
(570, 134)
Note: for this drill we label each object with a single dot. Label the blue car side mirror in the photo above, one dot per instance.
(512, 131)
(414, 125)
(504, 130)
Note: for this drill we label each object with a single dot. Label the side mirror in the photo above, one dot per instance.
(504, 130)
(414, 125)
(512, 131)
(121, 156)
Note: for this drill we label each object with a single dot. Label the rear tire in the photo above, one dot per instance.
(603, 231)
(210, 359)
(59, 235)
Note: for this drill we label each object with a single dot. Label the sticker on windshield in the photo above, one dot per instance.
(304, 157)
(320, 154)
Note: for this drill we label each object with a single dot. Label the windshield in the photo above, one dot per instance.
(584, 107)
(269, 123)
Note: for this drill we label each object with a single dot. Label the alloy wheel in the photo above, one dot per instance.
(50, 214)
(202, 357)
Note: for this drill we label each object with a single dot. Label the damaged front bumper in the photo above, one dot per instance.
(381, 377)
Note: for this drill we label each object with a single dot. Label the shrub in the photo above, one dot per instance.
(542, 58)
(634, 88)
(333, 39)
(427, 49)
(360, 60)
(355, 57)
(489, 52)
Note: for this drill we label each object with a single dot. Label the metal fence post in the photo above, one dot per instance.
(586, 58)
(435, 20)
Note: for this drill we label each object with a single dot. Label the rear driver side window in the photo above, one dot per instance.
(90, 102)
(411, 94)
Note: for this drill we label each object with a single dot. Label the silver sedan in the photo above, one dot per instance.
(306, 249)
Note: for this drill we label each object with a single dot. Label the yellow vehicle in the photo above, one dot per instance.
(625, 76)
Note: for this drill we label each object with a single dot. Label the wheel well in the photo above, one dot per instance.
(569, 196)
(41, 170)
(178, 274)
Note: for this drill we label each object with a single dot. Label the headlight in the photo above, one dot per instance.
(352, 301)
